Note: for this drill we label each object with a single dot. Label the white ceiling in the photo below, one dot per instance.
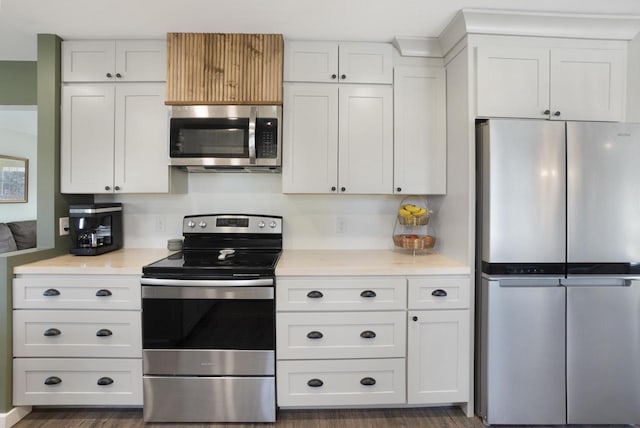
(357, 20)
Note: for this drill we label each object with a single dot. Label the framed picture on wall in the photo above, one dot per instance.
(14, 179)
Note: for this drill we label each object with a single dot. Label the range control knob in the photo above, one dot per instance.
(273, 225)
(191, 224)
(202, 224)
(261, 224)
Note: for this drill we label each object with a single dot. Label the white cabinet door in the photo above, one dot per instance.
(141, 61)
(88, 61)
(366, 63)
(512, 82)
(310, 158)
(114, 60)
(438, 357)
(86, 159)
(141, 146)
(420, 141)
(587, 84)
(366, 139)
(310, 61)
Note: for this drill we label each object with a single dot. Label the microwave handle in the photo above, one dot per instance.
(252, 136)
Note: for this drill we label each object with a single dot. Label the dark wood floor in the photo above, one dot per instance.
(441, 417)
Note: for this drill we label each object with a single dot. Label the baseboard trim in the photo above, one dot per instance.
(7, 420)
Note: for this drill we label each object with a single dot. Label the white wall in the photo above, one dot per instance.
(310, 221)
(18, 138)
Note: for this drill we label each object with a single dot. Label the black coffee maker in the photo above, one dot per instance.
(95, 228)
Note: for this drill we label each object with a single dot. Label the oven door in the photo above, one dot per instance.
(214, 328)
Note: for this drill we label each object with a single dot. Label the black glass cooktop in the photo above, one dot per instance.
(215, 264)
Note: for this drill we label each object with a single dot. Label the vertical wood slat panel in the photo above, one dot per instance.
(215, 68)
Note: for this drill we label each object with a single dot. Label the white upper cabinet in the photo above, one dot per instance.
(114, 138)
(420, 141)
(559, 83)
(114, 61)
(323, 62)
(338, 139)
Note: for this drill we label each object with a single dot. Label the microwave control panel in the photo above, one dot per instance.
(266, 138)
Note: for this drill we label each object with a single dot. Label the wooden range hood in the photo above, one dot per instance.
(216, 68)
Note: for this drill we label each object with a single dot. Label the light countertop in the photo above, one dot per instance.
(127, 261)
(366, 262)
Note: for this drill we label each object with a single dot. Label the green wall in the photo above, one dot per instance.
(18, 83)
(51, 204)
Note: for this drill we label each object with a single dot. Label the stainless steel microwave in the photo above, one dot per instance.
(231, 137)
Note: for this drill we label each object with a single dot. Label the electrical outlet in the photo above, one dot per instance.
(63, 226)
(161, 224)
(341, 226)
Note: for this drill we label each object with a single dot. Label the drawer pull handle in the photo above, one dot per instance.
(103, 332)
(52, 380)
(315, 383)
(315, 294)
(52, 332)
(368, 334)
(103, 293)
(367, 381)
(439, 293)
(103, 381)
(368, 293)
(51, 292)
(314, 335)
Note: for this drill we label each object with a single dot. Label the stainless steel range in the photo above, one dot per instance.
(208, 323)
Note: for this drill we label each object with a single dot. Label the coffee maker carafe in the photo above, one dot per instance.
(95, 228)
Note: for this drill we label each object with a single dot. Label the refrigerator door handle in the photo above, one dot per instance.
(596, 282)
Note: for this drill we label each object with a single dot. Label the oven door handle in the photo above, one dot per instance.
(208, 282)
(207, 293)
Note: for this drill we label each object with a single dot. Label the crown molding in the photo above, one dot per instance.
(418, 46)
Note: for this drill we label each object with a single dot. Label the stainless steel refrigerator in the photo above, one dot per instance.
(558, 272)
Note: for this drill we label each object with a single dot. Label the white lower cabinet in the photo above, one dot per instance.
(341, 382)
(70, 344)
(360, 341)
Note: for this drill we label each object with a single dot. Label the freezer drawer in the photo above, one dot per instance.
(523, 354)
(603, 344)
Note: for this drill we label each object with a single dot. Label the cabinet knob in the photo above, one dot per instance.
(51, 292)
(52, 332)
(315, 383)
(103, 293)
(118, 75)
(368, 293)
(414, 318)
(315, 294)
(52, 380)
(333, 188)
(117, 187)
(368, 334)
(103, 381)
(399, 189)
(439, 293)
(344, 76)
(109, 75)
(107, 188)
(367, 381)
(556, 113)
(546, 112)
(343, 189)
(315, 335)
(104, 332)
(333, 76)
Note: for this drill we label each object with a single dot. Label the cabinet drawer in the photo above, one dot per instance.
(38, 333)
(78, 381)
(341, 382)
(340, 335)
(439, 292)
(331, 293)
(77, 292)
